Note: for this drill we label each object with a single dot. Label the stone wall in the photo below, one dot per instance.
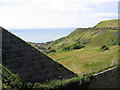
(25, 60)
(107, 79)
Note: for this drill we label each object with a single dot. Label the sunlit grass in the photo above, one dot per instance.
(87, 59)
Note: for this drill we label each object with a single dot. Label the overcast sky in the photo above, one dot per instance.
(55, 13)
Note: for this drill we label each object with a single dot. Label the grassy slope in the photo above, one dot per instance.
(99, 35)
(108, 23)
(87, 59)
(90, 58)
(105, 37)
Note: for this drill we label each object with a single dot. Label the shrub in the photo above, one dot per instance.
(5, 86)
(49, 48)
(9, 79)
(104, 48)
(51, 51)
(73, 46)
(77, 82)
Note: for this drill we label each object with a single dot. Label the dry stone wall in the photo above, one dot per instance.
(107, 79)
(25, 60)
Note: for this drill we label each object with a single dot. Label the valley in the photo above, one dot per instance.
(81, 51)
(86, 58)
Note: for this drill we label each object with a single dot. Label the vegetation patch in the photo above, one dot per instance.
(88, 59)
(10, 80)
(77, 82)
(103, 48)
(73, 46)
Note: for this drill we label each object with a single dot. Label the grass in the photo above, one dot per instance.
(87, 59)
(108, 23)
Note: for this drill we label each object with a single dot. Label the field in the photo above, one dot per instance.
(90, 59)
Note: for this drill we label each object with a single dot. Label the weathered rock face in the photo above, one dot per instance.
(107, 79)
(25, 60)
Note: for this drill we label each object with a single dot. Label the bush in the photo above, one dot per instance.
(5, 86)
(51, 51)
(73, 46)
(104, 48)
(9, 79)
(77, 82)
(49, 48)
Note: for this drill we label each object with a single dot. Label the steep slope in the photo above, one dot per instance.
(104, 33)
(108, 23)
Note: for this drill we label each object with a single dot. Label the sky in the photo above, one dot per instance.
(16, 14)
(41, 35)
(27, 18)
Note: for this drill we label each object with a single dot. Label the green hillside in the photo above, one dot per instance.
(108, 23)
(104, 33)
(88, 49)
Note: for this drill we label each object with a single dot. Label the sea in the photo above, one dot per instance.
(41, 35)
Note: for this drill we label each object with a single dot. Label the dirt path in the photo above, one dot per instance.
(104, 71)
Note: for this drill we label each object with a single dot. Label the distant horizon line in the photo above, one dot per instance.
(65, 27)
(42, 28)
